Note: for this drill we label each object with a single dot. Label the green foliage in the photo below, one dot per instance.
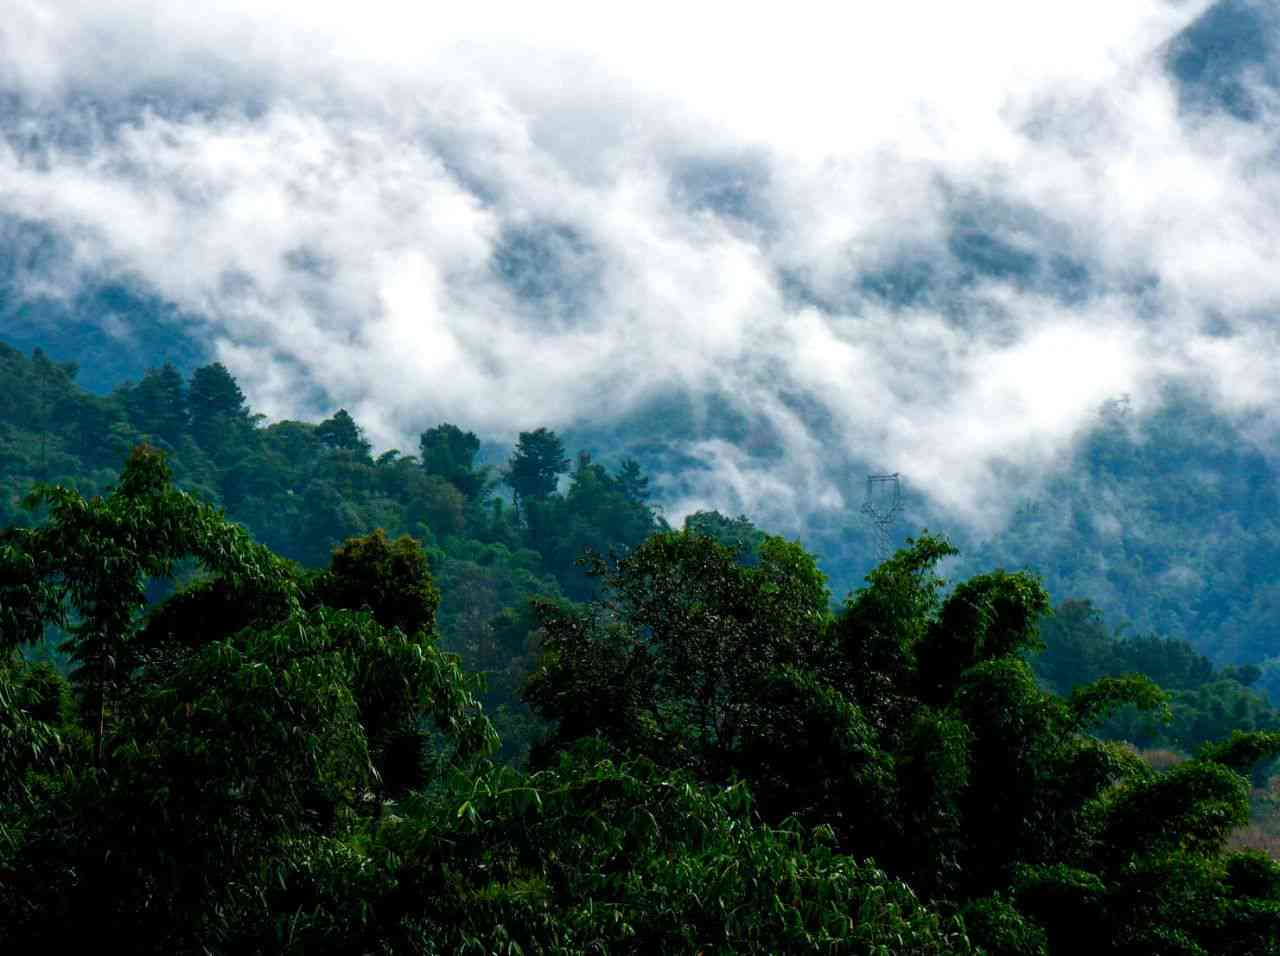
(934, 770)
(157, 405)
(1193, 806)
(812, 755)
(449, 452)
(1067, 901)
(913, 728)
(1079, 648)
(390, 579)
(238, 800)
(342, 433)
(89, 565)
(674, 660)
(1094, 701)
(991, 616)
(593, 855)
(249, 757)
(1167, 520)
(210, 735)
(596, 517)
(33, 705)
(1242, 750)
(214, 396)
(1165, 903)
(1094, 666)
(302, 489)
(881, 625)
(1253, 874)
(535, 465)
(737, 534)
(633, 482)
(995, 925)
(220, 420)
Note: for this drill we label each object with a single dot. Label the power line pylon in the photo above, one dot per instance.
(882, 507)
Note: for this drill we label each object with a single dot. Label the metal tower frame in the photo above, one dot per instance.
(883, 516)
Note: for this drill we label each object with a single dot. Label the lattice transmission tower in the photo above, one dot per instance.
(882, 507)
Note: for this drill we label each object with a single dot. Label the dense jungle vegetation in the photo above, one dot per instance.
(264, 692)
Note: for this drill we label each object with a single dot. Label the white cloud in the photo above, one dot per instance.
(331, 189)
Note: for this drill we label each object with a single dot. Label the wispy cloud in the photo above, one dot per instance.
(931, 240)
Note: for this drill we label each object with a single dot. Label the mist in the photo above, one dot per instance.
(931, 241)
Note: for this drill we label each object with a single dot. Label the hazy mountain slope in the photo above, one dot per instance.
(110, 324)
(1229, 59)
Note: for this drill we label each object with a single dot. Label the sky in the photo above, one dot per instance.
(920, 237)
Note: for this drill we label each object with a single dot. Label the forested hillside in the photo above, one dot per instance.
(275, 760)
(1186, 558)
(632, 673)
(495, 537)
(1166, 522)
(584, 483)
(1170, 522)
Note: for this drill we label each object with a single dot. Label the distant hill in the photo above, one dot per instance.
(112, 329)
(1229, 58)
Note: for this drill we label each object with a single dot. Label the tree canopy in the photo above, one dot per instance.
(287, 764)
(341, 432)
(207, 747)
(536, 465)
(910, 725)
(449, 452)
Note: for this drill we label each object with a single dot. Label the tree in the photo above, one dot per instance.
(157, 405)
(535, 465)
(341, 432)
(87, 568)
(250, 721)
(633, 482)
(738, 534)
(913, 728)
(292, 767)
(1204, 704)
(672, 662)
(598, 855)
(219, 415)
(449, 452)
(93, 423)
(388, 578)
(596, 515)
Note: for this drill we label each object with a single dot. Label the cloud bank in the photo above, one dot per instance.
(931, 240)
